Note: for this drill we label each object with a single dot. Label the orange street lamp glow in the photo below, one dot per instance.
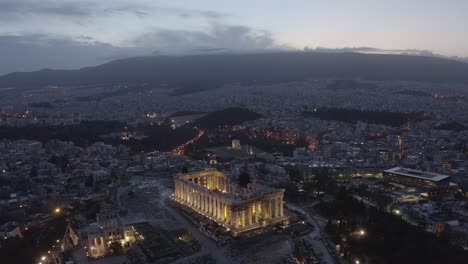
(57, 210)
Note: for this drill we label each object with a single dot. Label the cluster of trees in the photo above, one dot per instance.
(368, 116)
(324, 181)
(387, 239)
(303, 252)
(35, 242)
(227, 117)
(81, 134)
(157, 137)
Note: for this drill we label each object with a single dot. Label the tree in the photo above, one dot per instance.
(116, 248)
(33, 172)
(244, 179)
(291, 193)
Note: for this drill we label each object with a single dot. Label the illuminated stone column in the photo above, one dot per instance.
(220, 210)
(275, 204)
(281, 206)
(264, 208)
(256, 212)
(249, 215)
(236, 218)
(201, 201)
(182, 193)
(216, 208)
(243, 217)
(194, 197)
(205, 202)
(179, 190)
(190, 195)
(224, 211)
(210, 205)
(213, 207)
(278, 206)
(228, 214)
(270, 215)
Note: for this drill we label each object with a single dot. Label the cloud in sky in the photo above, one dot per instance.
(19, 8)
(33, 52)
(37, 51)
(73, 34)
(228, 38)
(37, 34)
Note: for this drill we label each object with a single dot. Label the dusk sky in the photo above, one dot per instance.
(71, 34)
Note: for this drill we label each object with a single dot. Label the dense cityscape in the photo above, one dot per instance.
(244, 154)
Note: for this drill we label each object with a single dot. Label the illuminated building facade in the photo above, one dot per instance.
(107, 230)
(212, 194)
(433, 183)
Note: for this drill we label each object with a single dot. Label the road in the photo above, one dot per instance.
(317, 238)
(181, 149)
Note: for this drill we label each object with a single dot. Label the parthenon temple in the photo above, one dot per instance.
(211, 193)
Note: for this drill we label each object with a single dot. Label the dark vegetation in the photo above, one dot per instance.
(121, 92)
(244, 68)
(453, 126)
(36, 241)
(413, 93)
(82, 134)
(273, 145)
(351, 85)
(158, 137)
(376, 117)
(244, 179)
(189, 87)
(388, 238)
(185, 113)
(45, 105)
(226, 117)
(324, 181)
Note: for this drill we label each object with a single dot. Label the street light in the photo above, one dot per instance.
(357, 261)
(362, 232)
(57, 210)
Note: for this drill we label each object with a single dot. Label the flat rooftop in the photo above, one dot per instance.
(425, 175)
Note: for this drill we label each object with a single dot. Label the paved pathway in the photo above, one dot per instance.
(317, 238)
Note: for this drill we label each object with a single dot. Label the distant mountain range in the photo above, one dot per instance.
(233, 68)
